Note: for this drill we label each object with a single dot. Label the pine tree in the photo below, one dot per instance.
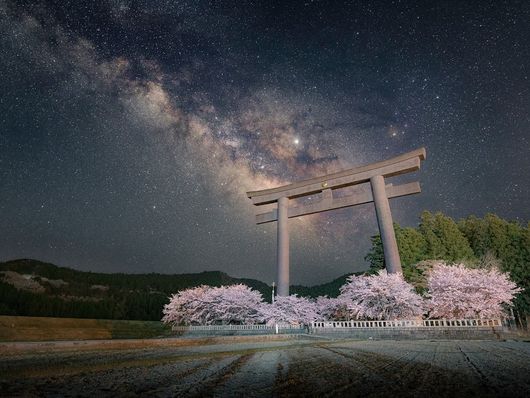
(444, 239)
(510, 243)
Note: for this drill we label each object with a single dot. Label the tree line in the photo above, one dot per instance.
(453, 292)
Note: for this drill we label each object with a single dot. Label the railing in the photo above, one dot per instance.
(413, 323)
(236, 327)
(409, 323)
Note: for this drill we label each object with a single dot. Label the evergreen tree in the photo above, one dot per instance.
(443, 238)
(434, 247)
(411, 246)
(510, 243)
(375, 256)
(476, 233)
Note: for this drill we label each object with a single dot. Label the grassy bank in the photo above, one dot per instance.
(22, 328)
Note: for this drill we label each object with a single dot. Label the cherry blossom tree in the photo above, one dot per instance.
(332, 309)
(292, 309)
(381, 296)
(186, 307)
(206, 305)
(460, 292)
(237, 304)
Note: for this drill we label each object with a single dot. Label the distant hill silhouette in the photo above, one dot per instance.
(330, 289)
(34, 288)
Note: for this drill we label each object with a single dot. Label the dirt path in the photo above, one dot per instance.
(276, 368)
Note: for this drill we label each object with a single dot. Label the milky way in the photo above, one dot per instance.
(130, 131)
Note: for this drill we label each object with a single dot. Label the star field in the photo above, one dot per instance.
(131, 130)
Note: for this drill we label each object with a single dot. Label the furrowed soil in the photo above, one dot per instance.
(264, 367)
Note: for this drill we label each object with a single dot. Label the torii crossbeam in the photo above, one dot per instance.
(374, 173)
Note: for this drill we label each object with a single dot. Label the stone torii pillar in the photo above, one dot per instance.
(323, 187)
(386, 227)
(283, 247)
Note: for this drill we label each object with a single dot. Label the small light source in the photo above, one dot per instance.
(296, 141)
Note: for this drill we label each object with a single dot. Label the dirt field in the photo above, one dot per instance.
(255, 367)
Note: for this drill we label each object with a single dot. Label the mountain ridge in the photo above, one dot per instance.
(34, 288)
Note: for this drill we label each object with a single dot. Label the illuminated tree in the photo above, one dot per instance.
(460, 292)
(332, 309)
(292, 309)
(205, 305)
(381, 296)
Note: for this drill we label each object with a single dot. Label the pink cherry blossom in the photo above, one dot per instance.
(205, 305)
(292, 309)
(332, 309)
(381, 296)
(460, 292)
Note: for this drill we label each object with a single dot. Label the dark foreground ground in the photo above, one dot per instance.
(256, 367)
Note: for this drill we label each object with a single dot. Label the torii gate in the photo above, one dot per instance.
(373, 173)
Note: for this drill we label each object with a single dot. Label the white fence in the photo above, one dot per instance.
(207, 328)
(414, 323)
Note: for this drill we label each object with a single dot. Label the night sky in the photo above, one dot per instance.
(131, 130)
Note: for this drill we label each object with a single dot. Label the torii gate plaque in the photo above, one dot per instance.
(374, 174)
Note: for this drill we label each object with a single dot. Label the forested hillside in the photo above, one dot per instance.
(330, 289)
(30, 287)
(33, 288)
